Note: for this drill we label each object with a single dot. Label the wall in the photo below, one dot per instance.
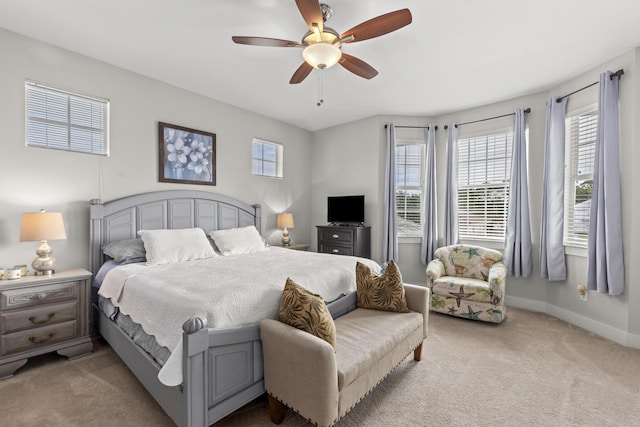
(35, 178)
(609, 316)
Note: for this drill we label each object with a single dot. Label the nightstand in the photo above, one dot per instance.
(297, 247)
(41, 314)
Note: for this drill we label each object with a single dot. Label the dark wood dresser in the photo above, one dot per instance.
(344, 240)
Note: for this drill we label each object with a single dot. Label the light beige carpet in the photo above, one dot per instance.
(532, 370)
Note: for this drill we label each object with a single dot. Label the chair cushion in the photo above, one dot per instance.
(364, 336)
(462, 288)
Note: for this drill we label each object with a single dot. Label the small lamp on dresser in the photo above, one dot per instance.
(285, 220)
(42, 226)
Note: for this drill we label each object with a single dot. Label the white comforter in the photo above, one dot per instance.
(228, 291)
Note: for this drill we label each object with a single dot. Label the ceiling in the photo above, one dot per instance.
(456, 54)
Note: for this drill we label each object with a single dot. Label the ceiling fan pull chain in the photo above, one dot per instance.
(320, 87)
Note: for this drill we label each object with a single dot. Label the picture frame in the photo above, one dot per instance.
(186, 156)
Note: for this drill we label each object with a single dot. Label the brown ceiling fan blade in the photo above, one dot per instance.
(264, 41)
(301, 73)
(357, 66)
(311, 12)
(378, 26)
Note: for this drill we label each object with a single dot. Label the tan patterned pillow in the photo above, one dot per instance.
(306, 311)
(384, 292)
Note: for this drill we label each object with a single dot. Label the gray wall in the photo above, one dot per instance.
(35, 178)
(612, 317)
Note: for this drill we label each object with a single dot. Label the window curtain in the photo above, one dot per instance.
(451, 196)
(552, 262)
(429, 204)
(390, 227)
(605, 253)
(517, 246)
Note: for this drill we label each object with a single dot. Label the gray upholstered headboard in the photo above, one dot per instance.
(122, 218)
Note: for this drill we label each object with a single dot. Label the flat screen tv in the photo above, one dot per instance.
(345, 209)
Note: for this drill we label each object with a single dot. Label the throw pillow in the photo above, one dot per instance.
(384, 292)
(306, 311)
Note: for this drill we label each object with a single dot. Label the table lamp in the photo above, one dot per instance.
(42, 226)
(285, 220)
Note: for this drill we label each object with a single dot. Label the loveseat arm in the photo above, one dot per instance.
(435, 270)
(497, 278)
(418, 300)
(300, 371)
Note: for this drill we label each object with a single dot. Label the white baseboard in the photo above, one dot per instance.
(606, 331)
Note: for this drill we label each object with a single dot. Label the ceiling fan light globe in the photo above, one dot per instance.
(322, 55)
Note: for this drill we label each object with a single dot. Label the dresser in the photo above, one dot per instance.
(344, 240)
(41, 314)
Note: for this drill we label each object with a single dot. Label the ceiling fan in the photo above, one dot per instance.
(322, 45)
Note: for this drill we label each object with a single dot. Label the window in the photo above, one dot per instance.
(580, 140)
(267, 158)
(409, 183)
(66, 121)
(484, 169)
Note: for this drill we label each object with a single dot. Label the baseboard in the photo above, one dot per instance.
(621, 337)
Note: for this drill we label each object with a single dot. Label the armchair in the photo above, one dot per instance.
(468, 281)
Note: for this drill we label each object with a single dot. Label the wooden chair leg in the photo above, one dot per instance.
(276, 410)
(417, 353)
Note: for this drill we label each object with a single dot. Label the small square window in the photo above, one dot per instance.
(267, 158)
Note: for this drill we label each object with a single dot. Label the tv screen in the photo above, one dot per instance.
(345, 209)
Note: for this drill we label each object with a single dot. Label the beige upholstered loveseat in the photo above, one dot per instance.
(468, 281)
(304, 372)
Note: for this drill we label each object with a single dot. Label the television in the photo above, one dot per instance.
(345, 209)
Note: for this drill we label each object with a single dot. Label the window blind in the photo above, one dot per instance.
(66, 121)
(409, 180)
(484, 169)
(580, 137)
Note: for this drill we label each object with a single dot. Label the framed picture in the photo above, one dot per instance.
(187, 156)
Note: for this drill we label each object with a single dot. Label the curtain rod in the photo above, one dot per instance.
(413, 127)
(618, 74)
(528, 110)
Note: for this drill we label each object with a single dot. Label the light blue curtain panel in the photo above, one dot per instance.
(552, 263)
(390, 226)
(605, 254)
(517, 245)
(451, 196)
(429, 202)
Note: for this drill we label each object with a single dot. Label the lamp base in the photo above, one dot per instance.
(44, 264)
(286, 241)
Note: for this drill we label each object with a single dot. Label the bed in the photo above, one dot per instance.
(219, 368)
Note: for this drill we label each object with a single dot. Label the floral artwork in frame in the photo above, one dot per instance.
(187, 156)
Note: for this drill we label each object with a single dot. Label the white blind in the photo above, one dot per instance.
(484, 168)
(409, 179)
(66, 121)
(580, 143)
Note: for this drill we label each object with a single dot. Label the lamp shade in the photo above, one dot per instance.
(38, 226)
(322, 55)
(285, 220)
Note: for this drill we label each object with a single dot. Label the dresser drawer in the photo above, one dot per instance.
(336, 235)
(335, 249)
(38, 295)
(38, 337)
(38, 316)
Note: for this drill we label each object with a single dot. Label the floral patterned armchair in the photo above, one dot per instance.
(468, 281)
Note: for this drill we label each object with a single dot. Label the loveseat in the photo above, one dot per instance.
(321, 383)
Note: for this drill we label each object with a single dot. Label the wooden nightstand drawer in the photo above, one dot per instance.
(39, 316)
(30, 296)
(39, 337)
(337, 250)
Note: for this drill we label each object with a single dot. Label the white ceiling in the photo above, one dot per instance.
(455, 55)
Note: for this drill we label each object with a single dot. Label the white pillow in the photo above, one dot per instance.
(234, 241)
(164, 246)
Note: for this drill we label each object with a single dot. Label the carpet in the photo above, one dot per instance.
(531, 370)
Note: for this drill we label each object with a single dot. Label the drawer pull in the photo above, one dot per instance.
(37, 322)
(335, 251)
(335, 236)
(37, 341)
